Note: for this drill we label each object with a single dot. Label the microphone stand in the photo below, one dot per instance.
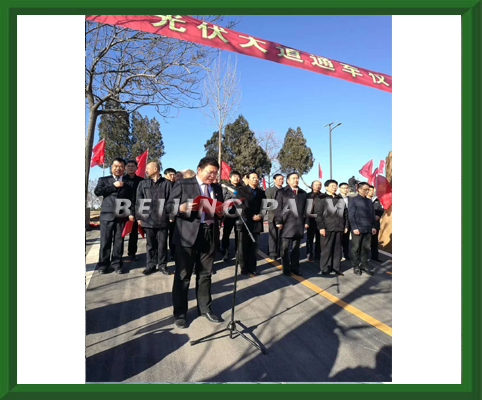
(232, 328)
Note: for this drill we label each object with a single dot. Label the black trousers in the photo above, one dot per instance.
(312, 233)
(202, 255)
(249, 249)
(133, 236)
(360, 246)
(273, 240)
(111, 244)
(228, 226)
(346, 244)
(172, 247)
(290, 264)
(156, 247)
(374, 246)
(331, 251)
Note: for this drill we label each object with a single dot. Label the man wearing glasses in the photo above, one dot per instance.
(196, 235)
(362, 221)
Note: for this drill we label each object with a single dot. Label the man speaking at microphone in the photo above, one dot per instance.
(196, 235)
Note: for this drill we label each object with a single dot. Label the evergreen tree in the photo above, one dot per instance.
(146, 134)
(295, 155)
(240, 148)
(114, 128)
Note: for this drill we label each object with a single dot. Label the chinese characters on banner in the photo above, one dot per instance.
(191, 29)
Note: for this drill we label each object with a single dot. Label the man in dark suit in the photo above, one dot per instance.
(273, 238)
(252, 197)
(290, 219)
(196, 235)
(152, 194)
(344, 188)
(312, 232)
(362, 222)
(377, 206)
(112, 188)
(332, 221)
(133, 180)
(228, 223)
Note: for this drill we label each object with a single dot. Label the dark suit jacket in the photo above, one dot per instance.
(271, 194)
(105, 188)
(361, 214)
(187, 226)
(311, 220)
(154, 191)
(331, 213)
(252, 206)
(293, 226)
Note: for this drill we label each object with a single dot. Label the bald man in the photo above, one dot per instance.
(312, 231)
(152, 193)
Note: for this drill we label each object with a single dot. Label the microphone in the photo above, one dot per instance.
(230, 189)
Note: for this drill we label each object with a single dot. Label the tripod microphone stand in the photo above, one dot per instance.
(232, 325)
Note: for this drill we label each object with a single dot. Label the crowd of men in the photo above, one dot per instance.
(339, 226)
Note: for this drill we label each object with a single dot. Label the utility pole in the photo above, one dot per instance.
(330, 129)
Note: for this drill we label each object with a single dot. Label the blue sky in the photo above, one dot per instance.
(277, 97)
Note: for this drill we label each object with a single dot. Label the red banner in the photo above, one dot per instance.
(99, 152)
(320, 174)
(384, 192)
(191, 29)
(225, 170)
(264, 183)
(141, 164)
(381, 166)
(366, 170)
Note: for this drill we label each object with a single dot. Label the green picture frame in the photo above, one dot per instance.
(470, 12)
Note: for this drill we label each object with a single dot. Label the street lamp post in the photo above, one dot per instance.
(330, 129)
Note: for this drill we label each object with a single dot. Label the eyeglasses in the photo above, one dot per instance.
(212, 173)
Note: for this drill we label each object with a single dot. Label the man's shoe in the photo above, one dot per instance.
(368, 271)
(226, 256)
(244, 273)
(149, 270)
(211, 317)
(102, 270)
(133, 258)
(273, 256)
(357, 271)
(376, 259)
(180, 323)
(164, 271)
(323, 273)
(287, 273)
(310, 259)
(253, 274)
(339, 273)
(119, 271)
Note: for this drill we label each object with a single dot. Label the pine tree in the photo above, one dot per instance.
(240, 148)
(295, 155)
(114, 128)
(146, 134)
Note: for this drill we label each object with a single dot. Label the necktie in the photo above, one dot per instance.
(208, 218)
(294, 191)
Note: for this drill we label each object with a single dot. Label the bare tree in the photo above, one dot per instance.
(135, 68)
(222, 92)
(271, 143)
(92, 200)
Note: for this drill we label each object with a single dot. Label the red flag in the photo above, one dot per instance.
(366, 170)
(320, 174)
(225, 170)
(140, 230)
(384, 191)
(381, 166)
(185, 27)
(373, 178)
(264, 183)
(99, 153)
(141, 164)
(127, 228)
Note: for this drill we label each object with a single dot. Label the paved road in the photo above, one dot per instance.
(312, 329)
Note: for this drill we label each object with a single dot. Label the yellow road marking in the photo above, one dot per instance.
(389, 273)
(353, 310)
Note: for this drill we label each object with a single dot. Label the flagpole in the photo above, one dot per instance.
(103, 169)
